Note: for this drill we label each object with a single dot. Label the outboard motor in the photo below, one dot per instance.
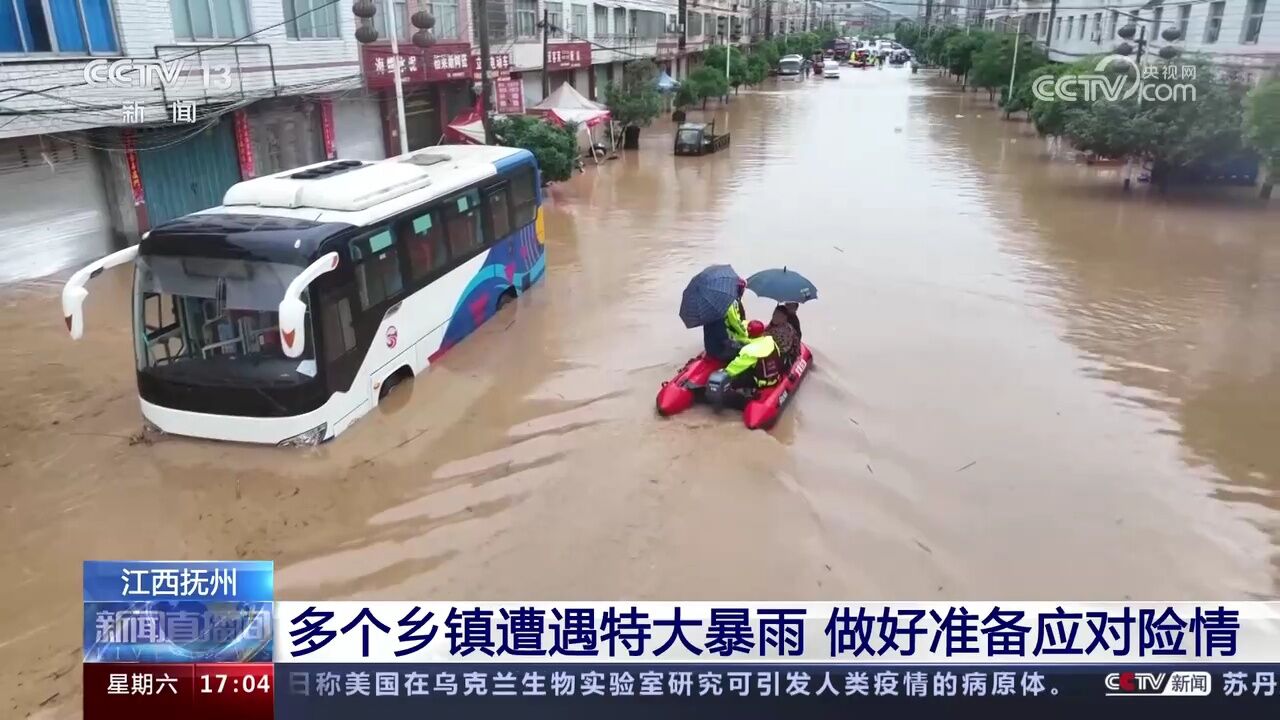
(717, 389)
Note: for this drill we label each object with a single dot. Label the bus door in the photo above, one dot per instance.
(383, 327)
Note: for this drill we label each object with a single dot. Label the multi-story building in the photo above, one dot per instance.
(91, 156)
(1242, 34)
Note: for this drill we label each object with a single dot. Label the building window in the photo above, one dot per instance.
(403, 29)
(526, 18)
(1213, 23)
(1097, 28)
(310, 19)
(695, 25)
(619, 22)
(1111, 24)
(446, 14)
(602, 20)
(1156, 18)
(210, 19)
(1057, 30)
(1184, 20)
(579, 21)
(555, 16)
(1253, 13)
(65, 26)
(1071, 27)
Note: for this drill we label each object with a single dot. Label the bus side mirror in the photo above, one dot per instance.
(293, 312)
(74, 292)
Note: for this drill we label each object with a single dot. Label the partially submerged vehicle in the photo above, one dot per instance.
(791, 65)
(693, 138)
(831, 69)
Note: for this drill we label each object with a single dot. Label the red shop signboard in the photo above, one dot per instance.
(439, 62)
(567, 56)
(510, 94)
(499, 65)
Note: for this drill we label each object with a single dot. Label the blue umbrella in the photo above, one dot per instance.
(782, 285)
(709, 295)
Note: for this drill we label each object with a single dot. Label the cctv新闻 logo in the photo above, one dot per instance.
(1179, 683)
(1108, 83)
(151, 72)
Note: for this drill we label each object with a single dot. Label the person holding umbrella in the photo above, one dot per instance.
(713, 300)
(788, 287)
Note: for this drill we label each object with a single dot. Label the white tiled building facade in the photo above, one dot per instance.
(88, 163)
(1238, 33)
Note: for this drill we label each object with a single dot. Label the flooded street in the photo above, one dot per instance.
(1027, 386)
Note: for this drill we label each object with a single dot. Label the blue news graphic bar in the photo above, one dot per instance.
(185, 631)
(206, 581)
(621, 691)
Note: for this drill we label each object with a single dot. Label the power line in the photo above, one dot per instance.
(201, 50)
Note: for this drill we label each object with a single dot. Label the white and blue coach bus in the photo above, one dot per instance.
(288, 312)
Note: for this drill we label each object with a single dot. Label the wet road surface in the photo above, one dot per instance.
(1026, 386)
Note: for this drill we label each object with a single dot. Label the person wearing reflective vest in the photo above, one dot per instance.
(722, 340)
(735, 318)
(761, 356)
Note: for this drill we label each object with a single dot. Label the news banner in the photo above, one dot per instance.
(209, 640)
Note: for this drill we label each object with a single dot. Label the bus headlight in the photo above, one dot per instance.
(310, 438)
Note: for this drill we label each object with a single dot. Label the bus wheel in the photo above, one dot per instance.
(506, 298)
(393, 380)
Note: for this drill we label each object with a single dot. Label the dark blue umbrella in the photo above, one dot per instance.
(782, 285)
(709, 295)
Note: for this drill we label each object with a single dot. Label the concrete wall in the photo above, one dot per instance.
(144, 28)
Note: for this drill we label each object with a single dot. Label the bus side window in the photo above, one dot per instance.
(377, 267)
(524, 198)
(335, 320)
(462, 218)
(423, 238)
(498, 205)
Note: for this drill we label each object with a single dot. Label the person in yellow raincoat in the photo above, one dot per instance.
(761, 356)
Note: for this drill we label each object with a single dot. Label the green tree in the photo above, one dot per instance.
(993, 63)
(635, 102)
(959, 50)
(685, 96)
(1262, 128)
(714, 58)
(757, 70)
(935, 52)
(1050, 116)
(1171, 132)
(554, 146)
(768, 52)
(706, 82)
(907, 33)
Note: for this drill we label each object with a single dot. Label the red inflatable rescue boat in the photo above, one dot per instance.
(761, 411)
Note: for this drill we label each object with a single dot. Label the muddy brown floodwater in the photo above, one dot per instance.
(1027, 386)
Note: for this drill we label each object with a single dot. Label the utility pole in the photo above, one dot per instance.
(546, 34)
(482, 27)
(395, 63)
(682, 9)
(1013, 71)
(1048, 36)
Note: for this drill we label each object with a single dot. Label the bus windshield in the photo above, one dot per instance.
(214, 322)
